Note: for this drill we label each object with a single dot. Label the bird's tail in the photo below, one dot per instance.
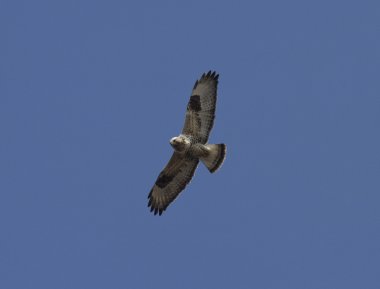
(216, 156)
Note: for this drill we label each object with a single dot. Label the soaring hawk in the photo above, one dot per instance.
(190, 146)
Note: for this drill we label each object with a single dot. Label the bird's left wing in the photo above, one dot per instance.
(200, 113)
(171, 181)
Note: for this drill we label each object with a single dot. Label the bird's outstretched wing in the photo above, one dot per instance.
(171, 181)
(200, 112)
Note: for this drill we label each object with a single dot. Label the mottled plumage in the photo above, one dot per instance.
(190, 146)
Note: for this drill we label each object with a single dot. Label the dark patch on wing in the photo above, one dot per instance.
(163, 180)
(198, 120)
(195, 103)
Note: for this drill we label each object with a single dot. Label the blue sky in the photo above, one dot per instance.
(92, 91)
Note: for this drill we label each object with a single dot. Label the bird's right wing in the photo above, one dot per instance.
(171, 181)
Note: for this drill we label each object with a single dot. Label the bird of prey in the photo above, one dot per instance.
(190, 146)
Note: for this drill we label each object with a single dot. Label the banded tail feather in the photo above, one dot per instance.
(214, 160)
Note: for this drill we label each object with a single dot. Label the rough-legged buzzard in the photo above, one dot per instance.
(190, 146)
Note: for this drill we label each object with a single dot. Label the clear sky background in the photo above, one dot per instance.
(92, 91)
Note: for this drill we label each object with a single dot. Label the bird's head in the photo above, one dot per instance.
(180, 143)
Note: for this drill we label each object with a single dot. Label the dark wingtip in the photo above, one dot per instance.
(207, 75)
(210, 74)
(154, 208)
(195, 84)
